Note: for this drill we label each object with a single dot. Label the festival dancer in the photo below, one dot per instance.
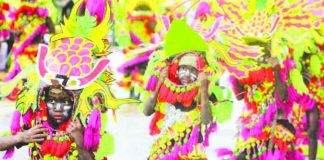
(67, 91)
(260, 33)
(181, 100)
(305, 79)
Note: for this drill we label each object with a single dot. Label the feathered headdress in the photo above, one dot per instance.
(71, 55)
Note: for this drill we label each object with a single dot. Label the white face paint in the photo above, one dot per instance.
(66, 110)
(187, 74)
(59, 107)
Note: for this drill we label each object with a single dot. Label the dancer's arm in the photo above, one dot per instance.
(34, 134)
(151, 101)
(206, 116)
(76, 132)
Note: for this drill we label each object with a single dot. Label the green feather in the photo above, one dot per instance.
(106, 146)
(217, 91)
(6, 133)
(222, 111)
(297, 81)
(315, 65)
(104, 122)
(84, 25)
(181, 38)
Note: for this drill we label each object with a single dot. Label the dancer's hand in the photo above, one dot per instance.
(164, 74)
(75, 129)
(202, 79)
(273, 61)
(34, 134)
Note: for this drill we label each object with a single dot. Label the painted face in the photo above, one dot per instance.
(187, 74)
(59, 105)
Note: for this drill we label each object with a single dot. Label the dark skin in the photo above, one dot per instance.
(59, 106)
(206, 116)
(34, 134)
(57, 96)
(280, 89)
(312, 118)
(75, 130)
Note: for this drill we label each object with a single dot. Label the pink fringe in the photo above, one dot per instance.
(92, 131)
(224, 152)
(269, 115)
(151, 83)
(135, 71)
(96, 8)
(135, 61)
(4, 34)
(27, 117)
(289, 65)
(245, 133)
(186, 147)
(292, 94)
(257, 128)
(49, 128)
(283, 75)
(321, 128)
(15, 122)
(9, 153)
(287, 107)
(135, 39)
(295, 155)
(203, 8)
(212, 128)
(166, 22)
(304, 100)
(232, 81)
(278, 155)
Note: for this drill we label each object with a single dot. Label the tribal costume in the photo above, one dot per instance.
(179, 111)
(73, 63)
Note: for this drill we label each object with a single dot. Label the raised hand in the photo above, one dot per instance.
(202, 79)
(34, 134)
(75, 130)
(164, 74)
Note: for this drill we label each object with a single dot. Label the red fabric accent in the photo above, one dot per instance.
(172, 70)
(4, 6)
(186, 98)
(63, 126)
(163, 93)
(321, 46)
(58, 149)
(13, 95)
(154, 129)
(263, 74)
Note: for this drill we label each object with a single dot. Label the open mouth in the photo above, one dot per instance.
(184, 81)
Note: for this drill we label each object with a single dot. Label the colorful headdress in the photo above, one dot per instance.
(76, 60)
(71, 55)
(181, 38)
(257, 25)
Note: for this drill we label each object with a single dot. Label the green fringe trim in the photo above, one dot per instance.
(106, 146)
(297, 80)
(222, 111)
(315, 65)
